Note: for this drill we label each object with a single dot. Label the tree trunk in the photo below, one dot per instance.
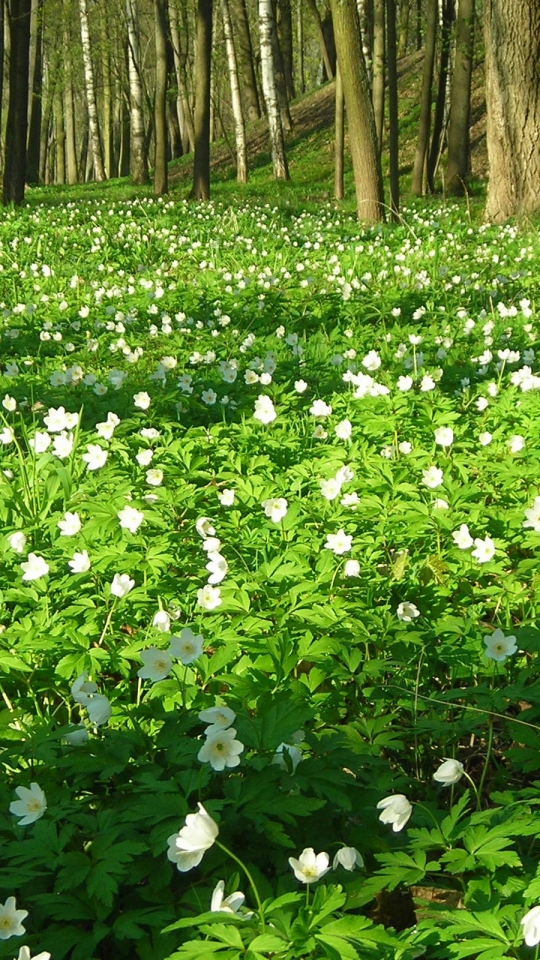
(339, 191)
(239, 128)
(139, 153)
(393, 119)
(300, 46)
(361, 123)
(60, 137)
(160, 102)
(203, 63)
(279, 76)
(69, 106)
(267, 28)
(328, 65)
(403, 36)
(34, 122)
(457, 170)
(244, 55)
(424, 122)
(107, 112)
(17, 118)
(512, 29)
(93, 123)
(2, 51)
(378, 68)
(185, 117)
(285, 36)
(446, 10)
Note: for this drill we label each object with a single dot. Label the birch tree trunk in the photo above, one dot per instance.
(93, 123)
(244, 57)
(160, 103)
(267, 29)
(139, 157)
(239, 127)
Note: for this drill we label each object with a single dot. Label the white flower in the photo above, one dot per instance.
(187, 646)
(162, 621)
(533, 516)
(34, 568)
(405, 447)
(407, 611)
(121, 585)
(350, 500)
(9, 403)
(188, 846)
(144, 457)
(275, 508)
(343, 430)
(209, 597)
(204, 527)
(98, 709)
(485, 439)
(62, 445)
(320, 409)
(482, 403)
(516, 443)
(371, 361)
(319, 432)
(499, 647)
(11, 919)
(56, 420)
(209, 397)
(264, 409)
(234, 903)
(211, 545)
(349, 858)
(80, 563)
(149, 433)
(339, 542)
(17, 541)
(154, 477)
(40, 442)
(484, 550)
(217, 568)
(31, 804)
(310, 866)
(226, 497)
(78, 736)
(444, 436)
(440, 504)
(157, 664)
(141, 400)
(70, 525)
(351, 568)
(7, 436)
(82, 689)
(427, 383)
(330, 489)
(300, 386)
(130, 518)
(432, 477)
(24, 954)
(462, 537)
(449, 772)
(404, 384)
(290, 751)
(219, 718)
(95, 456)
(530, 924)
(221, 749)
(395, 810)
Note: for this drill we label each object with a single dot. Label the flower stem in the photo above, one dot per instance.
(250, 878)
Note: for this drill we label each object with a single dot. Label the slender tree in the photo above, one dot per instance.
(185, 116)
(361, 122)
(403, 32)
(512, 29)
(17, 119)
(91, 102)
(325, 53)
(339, 190)
(378, 84)
(160, 100)
(245, 60)
(446, 13)
(424, 122)
(36, 87)
(138, 148)
(267, 29)
(457, 169)
(239, 126)
(393, 120)
(203, 62)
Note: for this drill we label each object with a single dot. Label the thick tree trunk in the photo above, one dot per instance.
(36, 85)
(339, 150)
(361, 123)
(93, 123)
(161, 183)
(457, 170)
(285, 36)
(393, 119)
(267, 28)
(446, 10)
(17, 118)
(2, 51)
(424, 122)
(239, 127)
(244, 56)
(377, 90)
(279, 76)
(203, 63)
(512, 31)
(139, 153)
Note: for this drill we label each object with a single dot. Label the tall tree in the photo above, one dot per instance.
(203, 61)
(285, 36)
(457, 169)
(393, 120)
(239, 127)
(245, 59)
(378, 84)
(91, 102)
(325, 52)
(339, 149)
(424, 122)
(183, 108)
(36, 87)
(361, 122)
(446, 14)
(512, 31)
(160, 101)
(267, 30)
(17, 119)
(138, 149)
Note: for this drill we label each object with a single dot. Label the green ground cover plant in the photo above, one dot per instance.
(270, 516)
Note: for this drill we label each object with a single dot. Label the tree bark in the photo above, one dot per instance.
(300, 48)
(183, 109)
(446, 10)
(2, 51)
(267, 28)
(361, 123)
(69, 105)
(393, 119)
(60, 137)
(285, 36)
(512, 29)
(139, 153)
(34, 122)
(403, 35)
(17, 118)
(239, 127)
(161, 183)
(279, 76)
(424, 122)
(93, 123)
(457, 169)
(325, 53)
(339, 150)
(378, 85)
(244, 56)
(203, 63)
